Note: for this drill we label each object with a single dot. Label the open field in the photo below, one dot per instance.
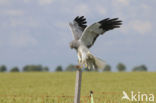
(59, 87)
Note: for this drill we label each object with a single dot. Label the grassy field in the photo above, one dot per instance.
(59, 87)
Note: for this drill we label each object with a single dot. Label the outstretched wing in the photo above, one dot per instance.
(78, 26)
(92, 32)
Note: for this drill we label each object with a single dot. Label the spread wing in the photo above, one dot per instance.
(78, 26)
(91, 33)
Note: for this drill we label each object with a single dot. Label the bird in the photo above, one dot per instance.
(85, 37)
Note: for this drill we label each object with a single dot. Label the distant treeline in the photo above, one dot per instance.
(39, 68)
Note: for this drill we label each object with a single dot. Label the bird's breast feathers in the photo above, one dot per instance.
(82, 53)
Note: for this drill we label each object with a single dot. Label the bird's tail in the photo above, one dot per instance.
(95, 62)
(100, 63)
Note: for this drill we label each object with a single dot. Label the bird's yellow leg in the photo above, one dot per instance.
(86, 65)
(81, 65)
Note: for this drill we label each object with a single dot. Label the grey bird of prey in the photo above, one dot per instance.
(84, 38)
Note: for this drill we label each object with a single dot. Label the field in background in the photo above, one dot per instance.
(59, 87)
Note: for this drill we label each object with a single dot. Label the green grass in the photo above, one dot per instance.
(59, 87)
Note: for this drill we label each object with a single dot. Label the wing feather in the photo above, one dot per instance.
(78, 26)
(91, 33)
(81, 21)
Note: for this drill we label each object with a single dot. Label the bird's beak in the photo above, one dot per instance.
(71, 47)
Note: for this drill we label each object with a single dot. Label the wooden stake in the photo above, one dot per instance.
(78, 85)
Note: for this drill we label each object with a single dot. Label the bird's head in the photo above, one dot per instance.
(74, 44)
(70, 24)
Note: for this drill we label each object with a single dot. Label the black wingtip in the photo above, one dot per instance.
(109, 24)
(81, 21)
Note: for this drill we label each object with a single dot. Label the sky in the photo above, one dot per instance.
(37, 32)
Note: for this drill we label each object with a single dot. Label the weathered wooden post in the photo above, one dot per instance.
(78, 85)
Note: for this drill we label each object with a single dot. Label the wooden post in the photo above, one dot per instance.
(78, 85)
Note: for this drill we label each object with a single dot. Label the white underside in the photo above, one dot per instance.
(87, 60)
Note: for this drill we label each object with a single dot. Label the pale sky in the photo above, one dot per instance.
(37, 32)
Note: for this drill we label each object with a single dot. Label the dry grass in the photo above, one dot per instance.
(59, 87)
